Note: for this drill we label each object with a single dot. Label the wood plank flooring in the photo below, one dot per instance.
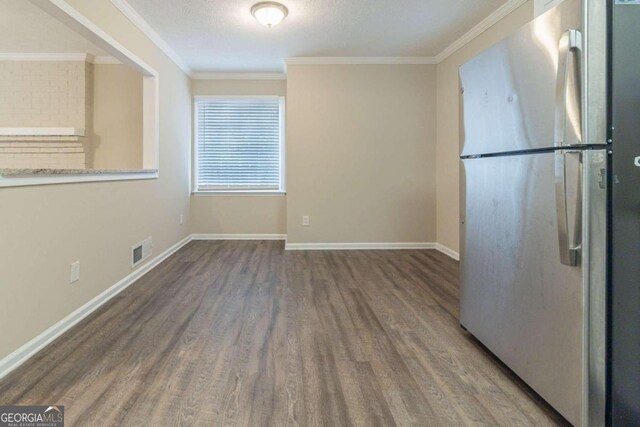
(244, 333)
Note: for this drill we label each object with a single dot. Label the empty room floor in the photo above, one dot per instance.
(245, 333)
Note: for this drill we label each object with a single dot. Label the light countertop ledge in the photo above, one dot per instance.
(7, 172)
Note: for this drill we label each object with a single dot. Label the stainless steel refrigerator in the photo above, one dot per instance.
(551, 229)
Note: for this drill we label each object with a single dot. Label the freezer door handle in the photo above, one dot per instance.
(570, 243)
(568, 104)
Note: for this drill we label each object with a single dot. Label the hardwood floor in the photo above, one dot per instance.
(244, 333)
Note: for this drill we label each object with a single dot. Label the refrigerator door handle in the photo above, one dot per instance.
(570, 44)
(569, 245)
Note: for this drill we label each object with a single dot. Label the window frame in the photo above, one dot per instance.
(281, 146)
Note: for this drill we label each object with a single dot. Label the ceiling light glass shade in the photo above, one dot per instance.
(269, 13)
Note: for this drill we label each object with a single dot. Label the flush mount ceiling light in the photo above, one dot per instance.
(269, 13)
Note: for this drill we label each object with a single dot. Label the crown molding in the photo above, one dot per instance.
(480, 28)
(238, 76)
(128, 11)
(355, 60)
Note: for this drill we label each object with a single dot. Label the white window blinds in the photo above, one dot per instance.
(239, 144)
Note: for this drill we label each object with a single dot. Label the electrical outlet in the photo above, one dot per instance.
(181, 219)
(74, 273)
(305, 221)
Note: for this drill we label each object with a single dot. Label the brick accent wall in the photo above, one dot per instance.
(45, 94)
(42, 153)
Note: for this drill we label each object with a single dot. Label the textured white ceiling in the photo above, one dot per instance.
(25, 28)
(221, 35)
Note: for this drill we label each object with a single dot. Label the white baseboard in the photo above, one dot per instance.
(22, 354)
(238, 236)
(357, 246)
(371, 246)
(448, 251)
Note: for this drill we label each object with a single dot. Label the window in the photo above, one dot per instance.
(239, 144)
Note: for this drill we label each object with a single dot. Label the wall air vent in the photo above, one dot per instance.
(137, 255)
(141, 251)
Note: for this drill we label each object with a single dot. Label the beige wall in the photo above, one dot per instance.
(116, 140)
(449, 126)
(238, 87)
(45, 228)
(240, 214)
(361, 153)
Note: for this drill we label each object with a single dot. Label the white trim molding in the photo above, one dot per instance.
(247, 193)
(59, 57)
(372, 246)
(357, 246)
(128, 11)
(105, 60)
(448, 251)
(480, 28)
(42, 131)
(239, 76)
(22, 354)
(204, 98)
(239, 237)
(46, 57)
(382, 60)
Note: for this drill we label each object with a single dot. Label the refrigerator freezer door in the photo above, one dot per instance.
(510, 89)
(625, 250)
(517, 297)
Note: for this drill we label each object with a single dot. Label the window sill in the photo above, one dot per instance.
(239, 193)
(29, 177)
